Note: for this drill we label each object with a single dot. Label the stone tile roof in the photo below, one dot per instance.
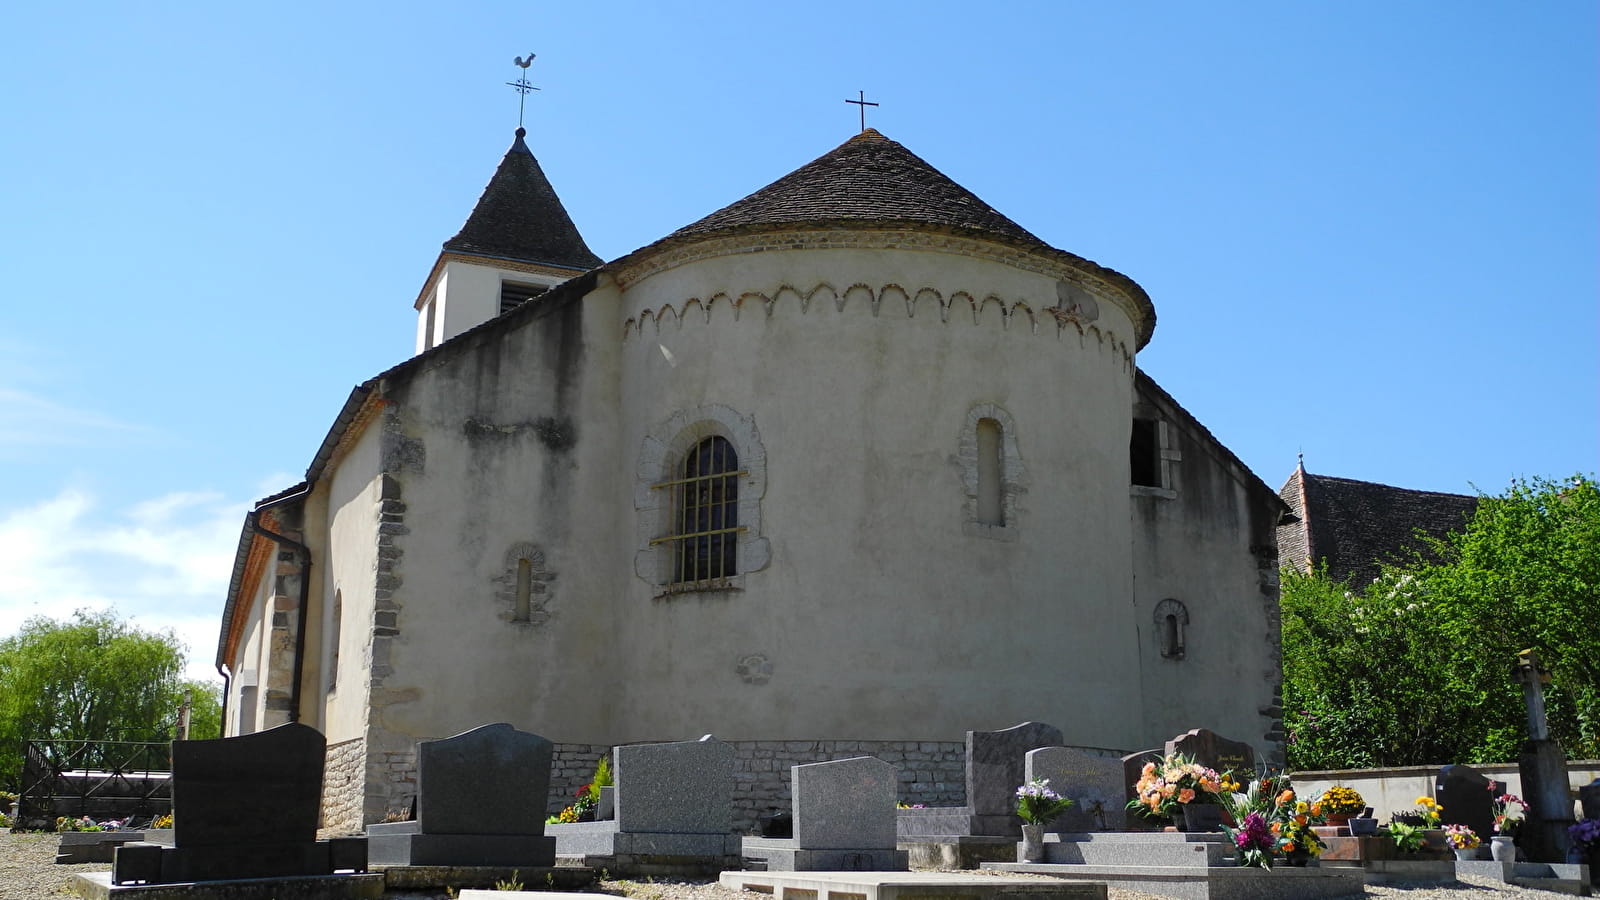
(520, 217)
(870, 181)
(868, 178)
(1355, 525)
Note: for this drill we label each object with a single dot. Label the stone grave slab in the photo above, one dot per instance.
(247, 808)
(1214, 751)
(1467, 796)
(844, 818)
(98, 886)
(1589, 799)
(906, 886)
(1093, 784)
(480, 802)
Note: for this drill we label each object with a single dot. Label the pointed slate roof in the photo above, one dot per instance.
(868, 178)
(520, 217)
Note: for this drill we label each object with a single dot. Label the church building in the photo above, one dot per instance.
(851, 466)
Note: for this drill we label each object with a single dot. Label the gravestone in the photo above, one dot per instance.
(674, 805)
(480, 802)
(1468, 798)
(844, 819)
(1132, 766)
(1093, 783)
(677, 788)
(995, 766)
(245, 807)
(1214, 751)
(1589, 799)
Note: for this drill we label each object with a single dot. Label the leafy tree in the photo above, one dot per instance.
(1414, 668)
(93, 677)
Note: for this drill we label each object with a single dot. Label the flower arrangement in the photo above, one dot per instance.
(1460, 837)
(162, 821)
(1253, 841)
(1294, 831)
(1342, 801)
(1507, 821)
(1430, 810)
(1037, 804)
(1585, 835)
(67, 823)
(1164, 787)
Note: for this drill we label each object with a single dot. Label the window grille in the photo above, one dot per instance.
(513, 294)
(704, 517)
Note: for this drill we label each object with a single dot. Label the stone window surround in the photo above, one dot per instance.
(1011, 473)
(1167, 453)
(1177, 648)
(540, 592)
(661, 455)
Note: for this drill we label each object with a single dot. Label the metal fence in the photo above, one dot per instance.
(99, 779)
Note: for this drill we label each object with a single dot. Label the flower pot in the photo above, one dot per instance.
(1363, 826)
(1298, 858)
(1338, 820)
(1201, 817)
(1465, 854)
(1434, 839)
(1031, 850)
(1503, 848)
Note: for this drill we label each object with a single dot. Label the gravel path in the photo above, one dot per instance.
(28, 872)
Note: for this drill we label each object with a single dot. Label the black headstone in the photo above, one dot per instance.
(1467, 796)
(1214, 751)
(1589, 799)
(996, 762)
(493, 779)
(262, 788)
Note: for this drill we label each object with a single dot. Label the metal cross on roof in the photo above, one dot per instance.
(863, 102)
(522, 86)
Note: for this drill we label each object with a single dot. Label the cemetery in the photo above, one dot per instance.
(1197, 818)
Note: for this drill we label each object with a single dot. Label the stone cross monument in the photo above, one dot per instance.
(1543, 765)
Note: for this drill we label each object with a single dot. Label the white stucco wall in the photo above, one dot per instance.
(350, 507)
(880, 617)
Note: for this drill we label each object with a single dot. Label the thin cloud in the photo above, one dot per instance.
(163, 562)
(30, 420)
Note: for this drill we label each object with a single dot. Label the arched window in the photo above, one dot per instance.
(991, 473)
(1172, 625)
(705, 507)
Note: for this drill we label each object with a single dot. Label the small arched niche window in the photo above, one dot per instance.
(705, 515)
(991, 473)
(1172, 624)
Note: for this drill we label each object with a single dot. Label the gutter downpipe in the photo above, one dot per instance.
(305, 592)
(222, 730)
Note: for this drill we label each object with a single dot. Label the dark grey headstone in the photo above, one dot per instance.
(1467, 796)
(678, 788)
(1090, 782)
(262, 788)
(995, 764)
(1589, 798)
(846, 804)
(493, 779)
(1132, 765)
(1214, 751)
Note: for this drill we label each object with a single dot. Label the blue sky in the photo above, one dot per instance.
(1369, 228)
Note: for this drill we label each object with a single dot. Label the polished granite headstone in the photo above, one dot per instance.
(243, 807)
(1092, 783)
(1214, 751)
(844, 819)
(1467, 796)
(995, 767)
(674, 804)
(480, 802)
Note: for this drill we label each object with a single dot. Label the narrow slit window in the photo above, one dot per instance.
(991, 509)
(524, 603)
(334, 628)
